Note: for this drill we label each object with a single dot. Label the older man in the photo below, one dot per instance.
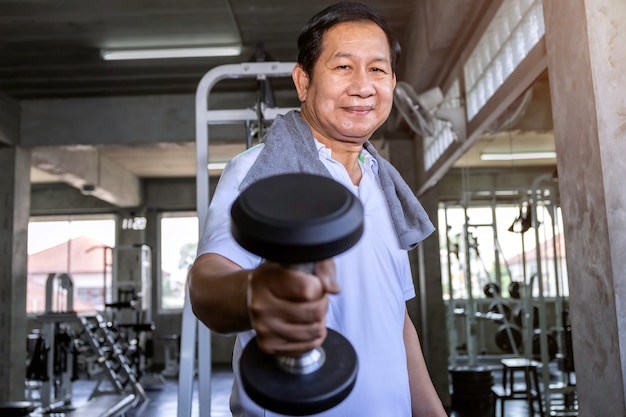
(345, 77)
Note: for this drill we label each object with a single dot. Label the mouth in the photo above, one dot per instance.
(359, 109)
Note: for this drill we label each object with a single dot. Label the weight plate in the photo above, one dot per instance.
(298, 395)
(297, 218)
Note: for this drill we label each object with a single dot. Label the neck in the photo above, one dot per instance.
(349, 159)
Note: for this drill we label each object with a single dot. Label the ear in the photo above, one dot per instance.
(301, 81)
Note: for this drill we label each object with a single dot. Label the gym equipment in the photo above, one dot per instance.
(106, 341)
(520, 317)
(534, 275)
(54, 358)
(500, 307)
(16, 408)
(530, 390)
(491, 289)
(171, 349)
(132, 290)
(296, 220)
(553, 347)
(471, 390)
(515, 288)
(192, 330)
(56, 378)
(130, 308)
(508, 343)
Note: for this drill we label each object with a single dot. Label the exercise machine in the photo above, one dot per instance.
(536, 284)
(131, 307)
(192, 331)
(53, 359)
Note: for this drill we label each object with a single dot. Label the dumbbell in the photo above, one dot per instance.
(297, 220)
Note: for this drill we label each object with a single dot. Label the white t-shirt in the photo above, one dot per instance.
(375, 281)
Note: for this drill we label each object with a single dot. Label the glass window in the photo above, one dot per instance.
(79, 246)
(499, 245)
(179, 243)
(515, 29)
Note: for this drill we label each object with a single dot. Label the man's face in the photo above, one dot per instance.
(350, 93)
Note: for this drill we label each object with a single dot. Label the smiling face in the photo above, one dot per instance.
(350, 92)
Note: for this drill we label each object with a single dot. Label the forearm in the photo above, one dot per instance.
(424, 398)
(217, 291)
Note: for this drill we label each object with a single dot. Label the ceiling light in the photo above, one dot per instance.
(517, 156)
(195, 52)
(216, 165)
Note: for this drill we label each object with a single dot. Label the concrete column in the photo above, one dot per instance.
(427, 310)
(434, 333)
(14, 213)
(587, 67)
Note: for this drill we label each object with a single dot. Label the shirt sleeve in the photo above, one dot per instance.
(216, 236)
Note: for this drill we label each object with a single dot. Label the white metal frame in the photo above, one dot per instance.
(193, 330)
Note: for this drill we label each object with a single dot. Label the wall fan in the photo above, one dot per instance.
(424, 112)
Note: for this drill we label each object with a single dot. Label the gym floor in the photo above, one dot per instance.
(163, 401)
(163, 398)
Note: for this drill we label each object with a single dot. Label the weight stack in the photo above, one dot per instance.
(471, 391)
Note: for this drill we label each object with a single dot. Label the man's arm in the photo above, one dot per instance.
(286, 308)
(217, 291)
(424, 399)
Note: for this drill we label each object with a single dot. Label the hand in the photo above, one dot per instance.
(287, 308)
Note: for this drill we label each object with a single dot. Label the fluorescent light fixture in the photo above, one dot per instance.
(216, 165)
(517, 156)
(129, 54)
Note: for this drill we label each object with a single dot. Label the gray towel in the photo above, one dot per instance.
(290, 147)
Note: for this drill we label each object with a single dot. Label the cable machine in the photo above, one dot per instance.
(192, 330)
(537, 288)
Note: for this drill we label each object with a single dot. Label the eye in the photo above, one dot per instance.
(343, 67)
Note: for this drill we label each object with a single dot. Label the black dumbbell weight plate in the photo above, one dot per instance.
(297, 218)
(297, 395)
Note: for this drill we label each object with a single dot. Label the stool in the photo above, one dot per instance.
(529, 392)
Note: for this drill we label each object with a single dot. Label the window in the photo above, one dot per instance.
(79, 246)
(494, 244)
(515, 29)
(179, 244)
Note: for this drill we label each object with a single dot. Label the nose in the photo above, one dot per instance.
(361, 84)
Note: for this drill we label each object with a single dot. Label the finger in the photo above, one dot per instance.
(325, 271)
(292, 332)
(276, 310)
(291, 346)
(289, 284)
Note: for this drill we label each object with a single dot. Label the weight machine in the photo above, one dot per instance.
(131, 307)
(53, 360)
(540, 334)
(564, 388)
(192, 330)
(55, 354)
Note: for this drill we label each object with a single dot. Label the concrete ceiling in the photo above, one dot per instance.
(50, 52)
(51, 48)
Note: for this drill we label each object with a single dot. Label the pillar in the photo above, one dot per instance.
(14, 214)
(427, 310)
(433, 312)
(587, 68)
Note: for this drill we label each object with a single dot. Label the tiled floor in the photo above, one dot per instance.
(163, 399)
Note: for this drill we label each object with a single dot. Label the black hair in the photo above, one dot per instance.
(311, 36)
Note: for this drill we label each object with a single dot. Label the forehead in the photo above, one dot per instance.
(354, 33)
